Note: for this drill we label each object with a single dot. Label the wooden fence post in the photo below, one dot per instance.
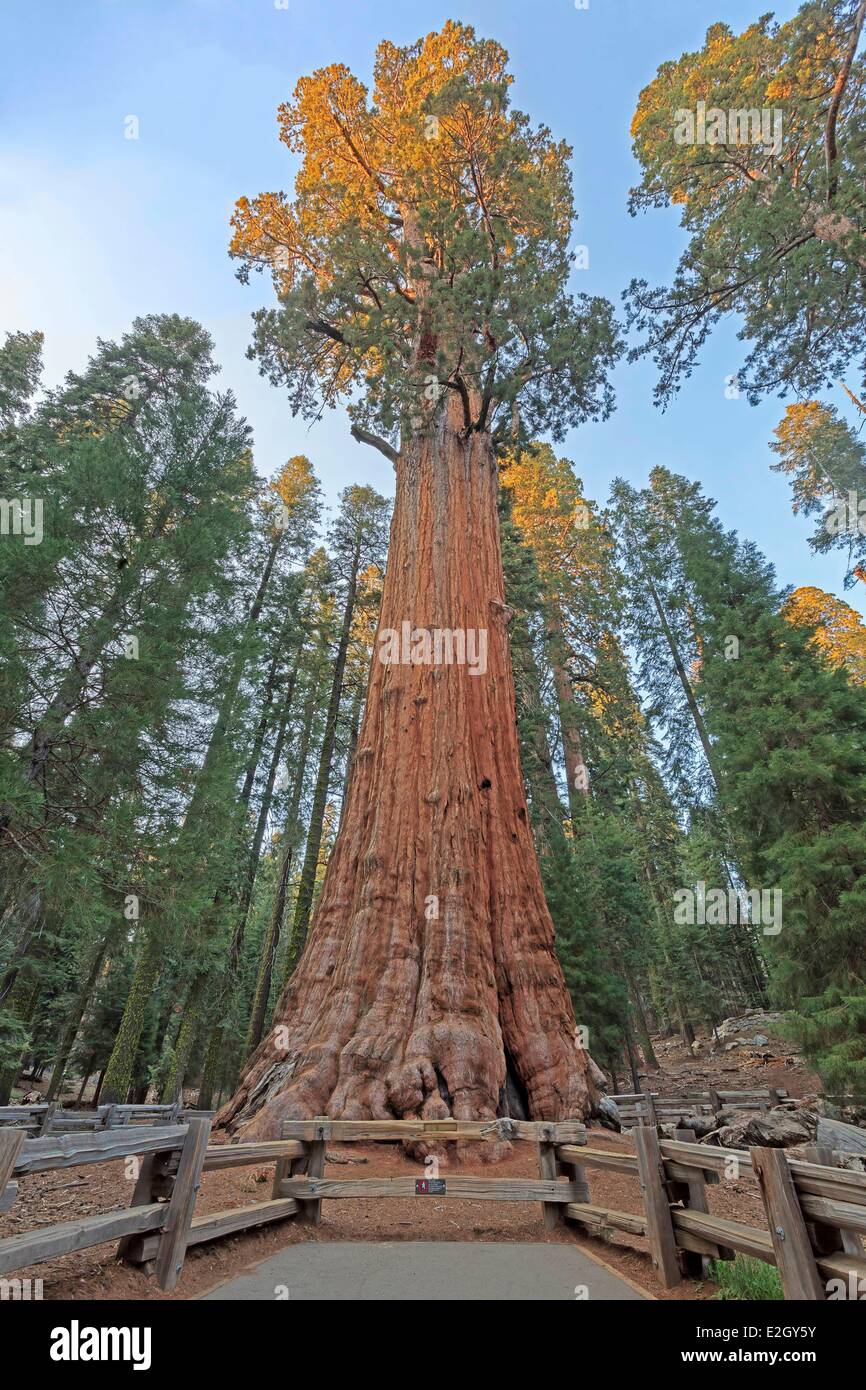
(693, 1194)
(832, 1237)
(659, 1226)
(312, 1211)
(175, 1232)
(794, 1258)
(10, 1142)
(651, 1117)
(548, 1168)
(311, 1164)
(155, 1180)
(576, 1173)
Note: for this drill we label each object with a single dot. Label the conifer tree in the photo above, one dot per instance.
(422, 273)
(789, 730)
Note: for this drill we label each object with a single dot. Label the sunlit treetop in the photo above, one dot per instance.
(826, 463)
(839, 631)
(292, 499)
(760, 139)
(573, 552)
(425, 250)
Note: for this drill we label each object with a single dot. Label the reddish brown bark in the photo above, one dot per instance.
(392, 1010)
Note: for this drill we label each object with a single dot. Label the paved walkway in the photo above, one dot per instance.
(411, 1270)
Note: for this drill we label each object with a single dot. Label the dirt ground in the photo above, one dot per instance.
(64, 1194)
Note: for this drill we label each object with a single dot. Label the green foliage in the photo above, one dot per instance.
(426, 250)
(826, 463)
(747, 1280)
(789, 733)
(776, 227)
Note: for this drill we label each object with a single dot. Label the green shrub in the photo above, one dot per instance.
(746, 1279)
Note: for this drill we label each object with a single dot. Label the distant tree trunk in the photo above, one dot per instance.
(643, 1034)
(628, 1042)
(307, 885)
(88, 1068)
(278, 911)
(118, 1076)
(431, 965)
(214, 1045)
(119, 1070)
(576, 777)
(77, 1010)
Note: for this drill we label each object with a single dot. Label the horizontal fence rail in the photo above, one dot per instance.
(469, 1189)
(371, 1131)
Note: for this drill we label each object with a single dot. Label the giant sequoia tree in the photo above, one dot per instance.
(422, 279)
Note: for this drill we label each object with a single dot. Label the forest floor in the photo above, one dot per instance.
(64, 1194)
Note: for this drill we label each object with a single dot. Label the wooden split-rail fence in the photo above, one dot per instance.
(50, 1118)
(815, 1212)
(648, 1107)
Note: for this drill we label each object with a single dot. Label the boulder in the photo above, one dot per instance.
(701, 1124)
(773, 1129)
(742, 1023)
(607, 1113)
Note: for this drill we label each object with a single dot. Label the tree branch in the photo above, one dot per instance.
(326, 329)
(839, 86)
(459, 385)
(364, 437)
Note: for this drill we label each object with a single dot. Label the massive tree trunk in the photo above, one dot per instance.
(430, 967)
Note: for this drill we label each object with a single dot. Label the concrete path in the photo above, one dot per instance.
(409, 1270)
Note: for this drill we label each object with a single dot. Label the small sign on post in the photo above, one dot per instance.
(429, 1187)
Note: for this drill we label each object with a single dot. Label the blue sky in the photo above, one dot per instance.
(96, 228)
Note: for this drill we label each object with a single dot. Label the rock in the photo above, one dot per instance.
(701, 1124)
(741, 1023)
(773, 1129)
(759, 1040)
(607, 1112)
